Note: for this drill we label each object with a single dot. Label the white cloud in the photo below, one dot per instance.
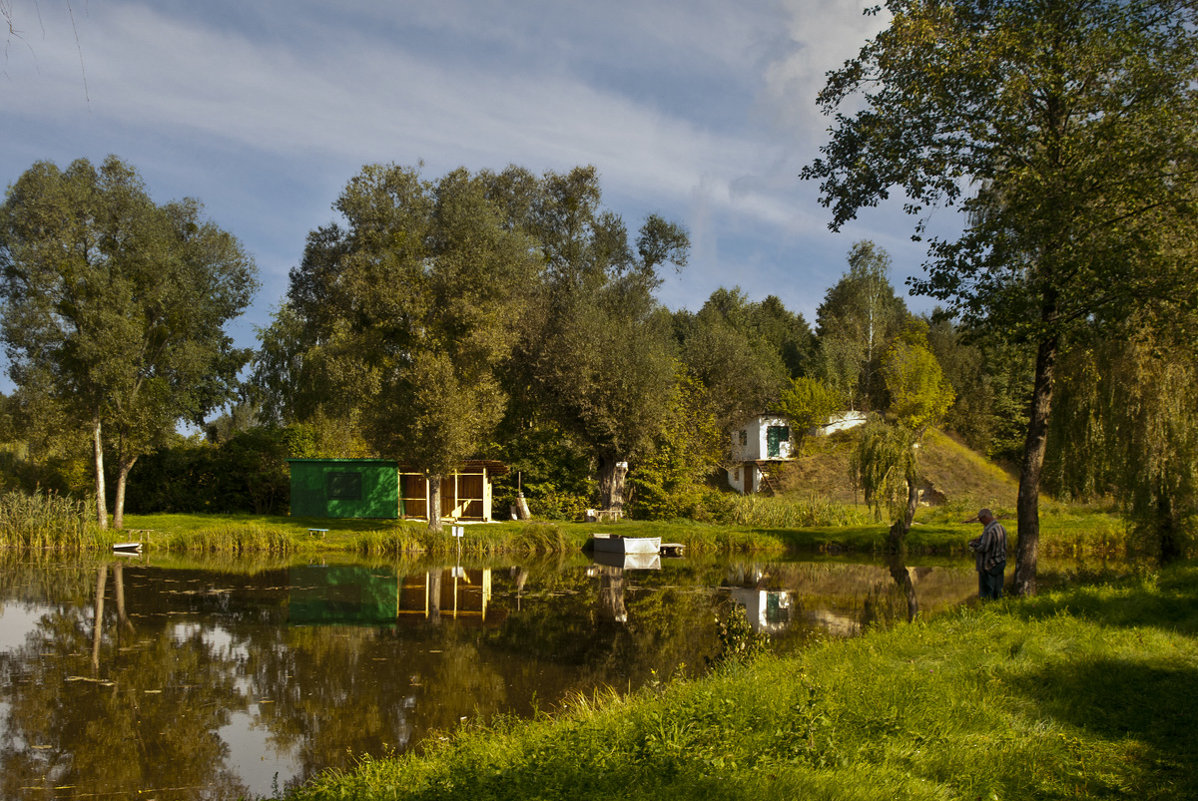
(824, 34)
(702, 112)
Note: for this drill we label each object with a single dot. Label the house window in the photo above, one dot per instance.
(774, 437)
(744, 438)
(343, 486)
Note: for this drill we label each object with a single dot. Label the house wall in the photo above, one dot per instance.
(745, 477)
(341, 488)
(751, 440)
(841, 422)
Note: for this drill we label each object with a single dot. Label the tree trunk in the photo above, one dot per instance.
(434, 504)
(612, 472)
(1170, 546)
(118, 503)
(101, 494)
(896, 538)
(1028, 504)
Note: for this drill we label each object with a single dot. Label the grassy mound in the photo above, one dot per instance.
(961, 476)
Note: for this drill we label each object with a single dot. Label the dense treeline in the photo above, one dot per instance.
(511, 316)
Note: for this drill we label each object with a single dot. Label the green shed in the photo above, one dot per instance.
(344, 488)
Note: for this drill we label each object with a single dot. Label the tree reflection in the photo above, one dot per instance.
(107, 720)
(127, 681)
(897, 564)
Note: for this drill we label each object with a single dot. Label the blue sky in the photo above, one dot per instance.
(701, 111)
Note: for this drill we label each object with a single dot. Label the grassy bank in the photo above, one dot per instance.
(764, 525)
(1079, 694)
(1065, 531)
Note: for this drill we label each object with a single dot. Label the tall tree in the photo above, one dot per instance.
(919, 395)
(1066, 133)
(597, 356)
(740, 369)
(406, 311)
(116, 306)
(787, 331)
(1129, 402)
(856, 321)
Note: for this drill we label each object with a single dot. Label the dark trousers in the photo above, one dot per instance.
(990, 582)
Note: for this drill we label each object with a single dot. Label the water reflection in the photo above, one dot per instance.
(193, 683)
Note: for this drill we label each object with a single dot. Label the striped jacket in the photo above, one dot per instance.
(990, 549)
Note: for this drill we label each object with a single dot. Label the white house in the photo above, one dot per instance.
(841, 421)
(755, 444)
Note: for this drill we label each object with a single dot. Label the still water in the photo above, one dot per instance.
(207, 681)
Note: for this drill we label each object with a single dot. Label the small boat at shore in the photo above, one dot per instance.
(619, 544)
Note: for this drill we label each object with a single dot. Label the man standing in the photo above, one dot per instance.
(990, 550)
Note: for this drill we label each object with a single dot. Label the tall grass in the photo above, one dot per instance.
(413, 540)
(788, 512)
(232, 539)
(46, 522)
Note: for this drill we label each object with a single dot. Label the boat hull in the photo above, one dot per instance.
(618, 544)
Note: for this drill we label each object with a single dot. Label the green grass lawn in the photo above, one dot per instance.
(1086, 693)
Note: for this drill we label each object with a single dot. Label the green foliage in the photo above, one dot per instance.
(878, 465)
(551, 470)
(669, 483)
(1127, 428)
(247, 473)
(807, 403)
(918, 391)
(725, 348)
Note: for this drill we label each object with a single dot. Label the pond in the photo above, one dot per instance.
(186, 680)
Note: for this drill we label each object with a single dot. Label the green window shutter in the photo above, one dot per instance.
(774, 437)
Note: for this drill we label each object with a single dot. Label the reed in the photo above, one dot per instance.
(789, 512)
(46, 521)
(232, 540)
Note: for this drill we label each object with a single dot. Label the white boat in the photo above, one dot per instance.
(617, 543)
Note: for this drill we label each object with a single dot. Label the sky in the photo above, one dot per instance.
(703, 112)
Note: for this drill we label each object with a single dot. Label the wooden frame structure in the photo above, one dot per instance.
(465, 494)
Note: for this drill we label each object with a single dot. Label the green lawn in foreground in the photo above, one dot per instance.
(1088, 693)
